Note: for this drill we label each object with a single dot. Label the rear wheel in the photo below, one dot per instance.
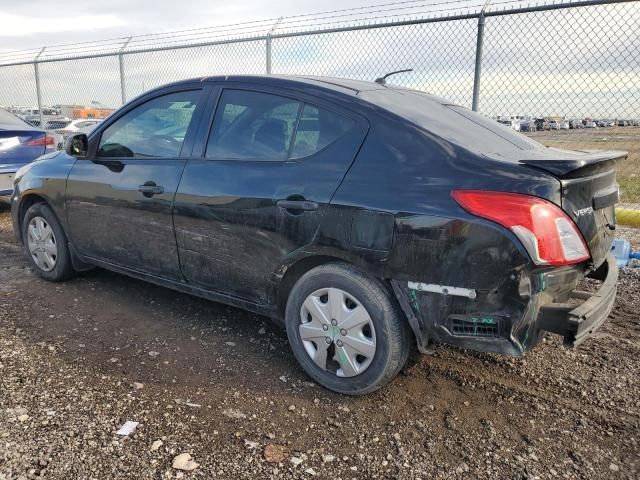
(45, 243)
(345, 329)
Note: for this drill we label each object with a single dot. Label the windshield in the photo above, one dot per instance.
(454, 123)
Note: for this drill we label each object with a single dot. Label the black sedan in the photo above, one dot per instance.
(369, 219)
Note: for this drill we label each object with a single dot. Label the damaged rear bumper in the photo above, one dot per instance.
(512, 319)
(576, 322)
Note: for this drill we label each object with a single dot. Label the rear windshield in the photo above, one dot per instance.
(8, 118)
(454, 123)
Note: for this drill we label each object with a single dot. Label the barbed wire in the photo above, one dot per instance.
(373, 14)
(399, 10)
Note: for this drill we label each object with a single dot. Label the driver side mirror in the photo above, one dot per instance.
(77, 145)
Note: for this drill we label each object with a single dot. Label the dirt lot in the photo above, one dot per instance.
(611, 138)
(79, 359)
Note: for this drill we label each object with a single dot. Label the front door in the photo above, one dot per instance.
(119, 200)
(271, 164)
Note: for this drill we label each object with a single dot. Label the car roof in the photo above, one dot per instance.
(360, 90)
(343, 85)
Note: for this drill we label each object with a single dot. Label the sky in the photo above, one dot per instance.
(573, 62)
(33, 23)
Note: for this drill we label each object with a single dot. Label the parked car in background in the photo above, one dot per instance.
(20, 144)
(554, 125)
(541, 124)
(56, 124)
(306, 199)
(590, 124)
(564, 125)
(54, 121)
(513, 124)
(53, 126)
(622, 123)
(574, 123)
(527, 126)
(75, 126)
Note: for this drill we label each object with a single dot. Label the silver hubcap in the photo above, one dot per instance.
(42, 244)
(337, 332)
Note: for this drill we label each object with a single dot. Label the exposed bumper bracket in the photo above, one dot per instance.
(576, 322)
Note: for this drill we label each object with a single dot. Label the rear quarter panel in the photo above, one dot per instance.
(406, 172)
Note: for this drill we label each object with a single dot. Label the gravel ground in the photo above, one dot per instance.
(79, 359)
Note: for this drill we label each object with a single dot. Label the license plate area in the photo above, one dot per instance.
(6, 181)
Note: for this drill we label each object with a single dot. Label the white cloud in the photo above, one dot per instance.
(22, 25)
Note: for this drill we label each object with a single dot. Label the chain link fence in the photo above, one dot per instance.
(506, 58)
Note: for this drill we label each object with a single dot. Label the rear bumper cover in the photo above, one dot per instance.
(519, 317)
(576, 322)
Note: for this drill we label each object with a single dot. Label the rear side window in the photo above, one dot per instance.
(318, 128)
(261, 126)
(155, 129)
(252, 126)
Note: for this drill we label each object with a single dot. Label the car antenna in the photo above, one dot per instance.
(383, 80)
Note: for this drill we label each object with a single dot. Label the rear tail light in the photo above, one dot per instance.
(46, 141)
(548, 234)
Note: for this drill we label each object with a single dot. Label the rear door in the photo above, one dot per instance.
(270, 164)
(119, 200)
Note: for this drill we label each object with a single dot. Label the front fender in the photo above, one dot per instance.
(44, 180)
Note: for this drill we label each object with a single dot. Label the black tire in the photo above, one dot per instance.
(63, 269)
(393, 338)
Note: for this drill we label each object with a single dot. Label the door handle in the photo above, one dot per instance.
(149, 189)
(300, 205)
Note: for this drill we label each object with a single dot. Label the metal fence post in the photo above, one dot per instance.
(36, 68)
(268, 48)
(123, 90)
(268, 44)
(478, 69)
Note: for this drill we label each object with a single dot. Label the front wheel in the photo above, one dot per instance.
(45, 243)
(346, 330)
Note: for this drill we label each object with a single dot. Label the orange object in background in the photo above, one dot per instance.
(77, 112)
(91, 112)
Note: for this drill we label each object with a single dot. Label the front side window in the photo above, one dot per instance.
(155, 129)
(252, 126)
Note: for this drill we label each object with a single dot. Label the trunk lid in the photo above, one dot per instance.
(589, 192)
